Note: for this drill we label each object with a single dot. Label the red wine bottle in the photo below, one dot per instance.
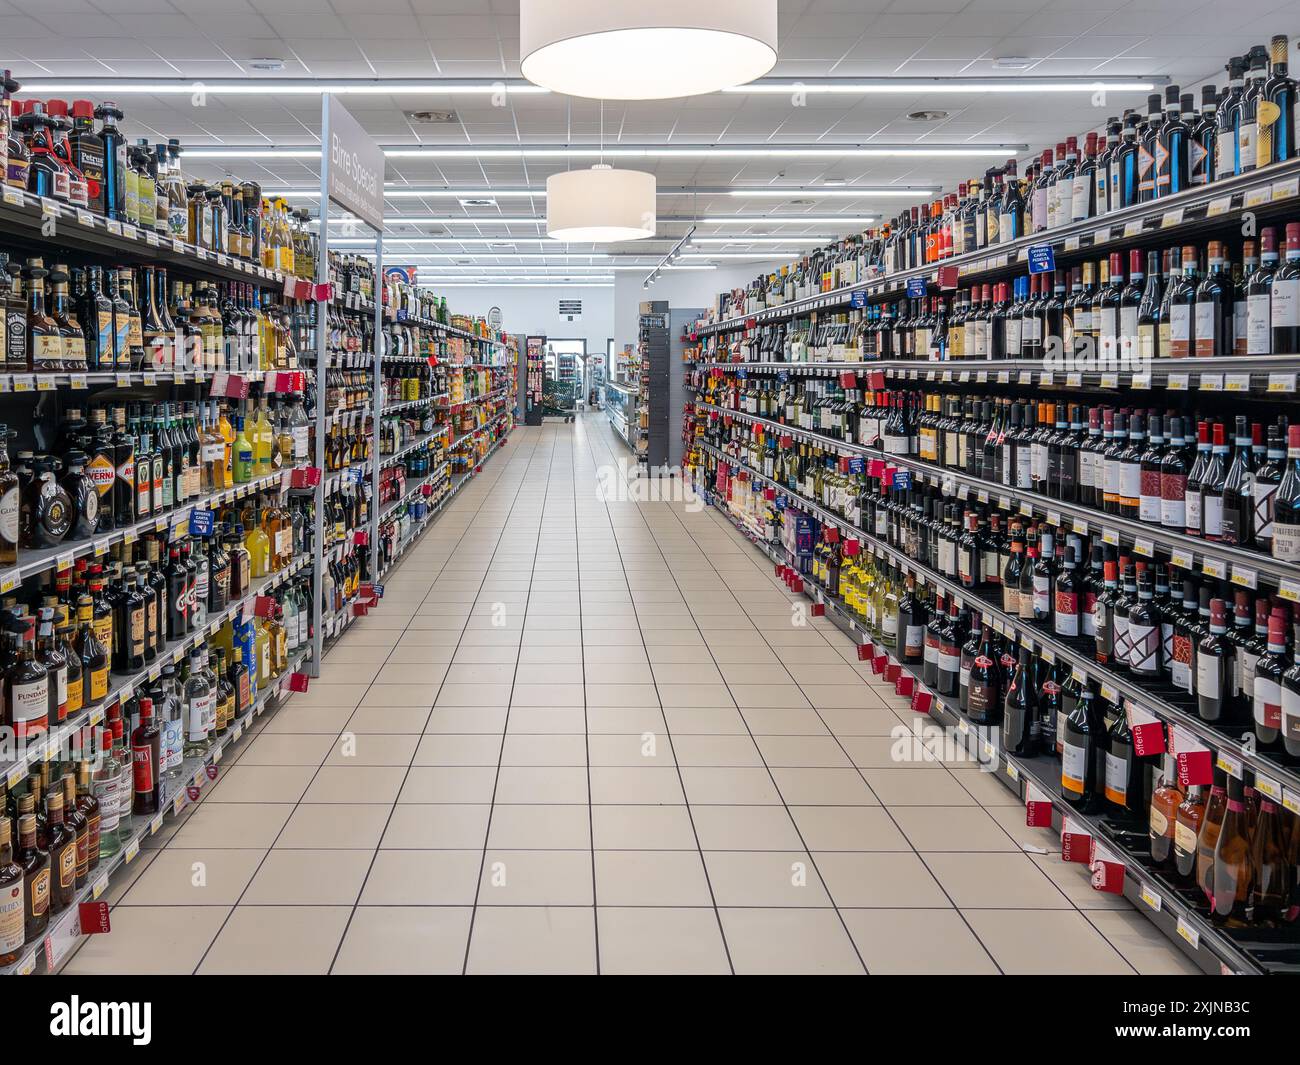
(1214, 665)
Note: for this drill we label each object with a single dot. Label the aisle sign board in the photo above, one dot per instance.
(356, 166)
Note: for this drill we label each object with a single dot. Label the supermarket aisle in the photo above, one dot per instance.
(585, 735)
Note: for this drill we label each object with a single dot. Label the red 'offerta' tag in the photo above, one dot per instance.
(852, 547)
(1107, 871)
(323, 292)
(361, 537)
(905, 684)
(264, 606)
(1076, 844)
(831, 534)
(877, 379)
(947, 277)
(819, 610)
(848, 379)
(878, 663)
(1038, 808)
(1195, 766)
(779, 569)
(360, 610)
(892, 672)
(796, 584)
(1148, 732)
(306, 477)
(922, 700)
(298, 682)
(866, 651)
(426, 490)
(93, 917)
(875, 467)
(769, 494)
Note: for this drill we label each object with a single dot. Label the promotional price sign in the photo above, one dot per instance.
(1041, 259)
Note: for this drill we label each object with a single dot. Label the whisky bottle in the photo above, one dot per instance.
(88, 806)
(35, 864)
(78, 825)
(12, 932)
(63, 853)
(61, 310)
(105, 779)
(10, 504)
(45, 339)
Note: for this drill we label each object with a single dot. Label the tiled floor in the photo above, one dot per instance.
(588, 734)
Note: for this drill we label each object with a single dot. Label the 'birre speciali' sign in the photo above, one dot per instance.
(355, 166)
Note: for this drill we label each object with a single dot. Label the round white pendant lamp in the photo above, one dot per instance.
(600, 205)
(634, 50)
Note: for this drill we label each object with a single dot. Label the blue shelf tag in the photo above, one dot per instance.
(915, 287)
(857, 465)
(201, 522)
(1041, 259)
(902, 478)
(858, 298)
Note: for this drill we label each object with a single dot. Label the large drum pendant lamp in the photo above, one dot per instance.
(600, 205)
(639, 50)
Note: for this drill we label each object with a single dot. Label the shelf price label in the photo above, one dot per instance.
(1236, 382)
(1281, 382)
(1219, 206)
(1148, 895)
(1177, 382)
(1214, 567)
(1211, 382)
(1243, 577)
(1190, 934)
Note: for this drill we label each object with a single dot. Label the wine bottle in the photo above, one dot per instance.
(1213, 664)
(1231, 883)
(1020, 710)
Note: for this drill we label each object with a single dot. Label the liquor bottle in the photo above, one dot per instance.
(1285, 297)
(198, 714)
(1211, 488)
(1212, 327)
(1144, 641)
(1165, 800)
(1275, 139)
(1213, 664)
(1268, 478)
(1238, 493)
(104, 787)
(10, 505)
(1182, 306)
(63, 853)
(35, 864)
(146, 761)
(1020, 727)
(1124, 774)
(88, 806)
(1267, 694)
(1172, 147)
(1248, 110)
(1083, 741)
(1231, 881)
(26, 689)
(12, 931)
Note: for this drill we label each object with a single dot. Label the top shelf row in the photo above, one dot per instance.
(1252, 199)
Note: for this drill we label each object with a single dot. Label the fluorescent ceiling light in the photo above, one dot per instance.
(281, 87)
(766, 254)
(513, 256)
(600, 205)
(458, 220)
(912, 87)
(630, 50)
(788, 220)
(525, 284)
(845, 193)
(740, 238)
(663, 151)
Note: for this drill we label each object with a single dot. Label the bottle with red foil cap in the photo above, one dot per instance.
(1213, 322)
(1285, 301)
(78, 194)
(145, 762)
(1266, 699)
(1041, 183)
(1214, 666)
(1286, 503)
(87, 149)
(1130, 302)
(1259, 289)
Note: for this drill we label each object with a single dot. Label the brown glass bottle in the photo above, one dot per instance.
(89, 807)
(35, 864)
(94, 656)
(1187, 830)
(1211, 824)
(76, 820)
(63, 853)
(44, 338)
(1270, 872)
(12, 933)
(10, 504)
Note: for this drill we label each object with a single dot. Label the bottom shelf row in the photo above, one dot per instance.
(1197, 844)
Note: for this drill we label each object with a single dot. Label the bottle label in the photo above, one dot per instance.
(1205, 322)
(1042, 599)
(1212, 515)
(1116, 786)
(1247, 135)
(173, 743)
(1192, 510)
(67, 863)
(1290, 713)
(1209, 682)
(1180, 331)
(1144, 649)
(9, 511)
(197, 727)
(1067, 613)
(29, 707)
(1264, 497)
(1150, 489)
(1173, 508)
(1286, 303)
(1130, 482)
(11, 917)
(1268, 702)
(1159, 824)
(1259, 337)
(143, 768)
(1184, 838)
(1286, 542)
(1074, 768)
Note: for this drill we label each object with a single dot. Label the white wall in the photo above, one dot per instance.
(536, 310)
(680, 288)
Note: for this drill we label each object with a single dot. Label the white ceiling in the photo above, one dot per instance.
(1184, 40)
